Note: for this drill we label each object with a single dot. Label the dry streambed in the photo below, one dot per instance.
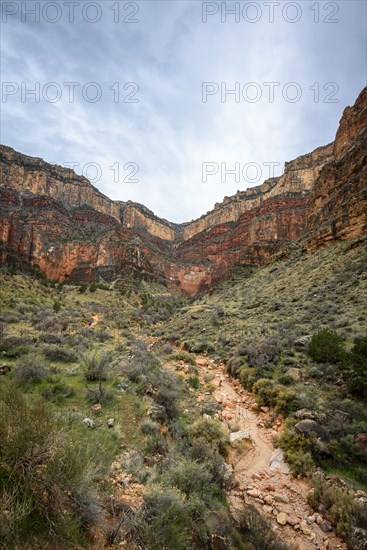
(259, 475)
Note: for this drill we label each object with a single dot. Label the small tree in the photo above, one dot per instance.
(354, 368)
(326, 346)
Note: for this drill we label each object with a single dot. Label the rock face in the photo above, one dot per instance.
(338, 201)
(56, 221)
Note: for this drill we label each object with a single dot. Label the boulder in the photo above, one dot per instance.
(303, 341)
(235, 436)
(302, 414)
(277, 462)
(293, 520)
(326, 526)
(282, 518)
(254, 493)
(308, 427)
(280, 498)
(89, 422)
(110, 422)
(96, 409)
(228, 471)
(305, 529)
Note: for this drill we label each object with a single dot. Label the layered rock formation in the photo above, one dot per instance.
(56, 221)
(338, 201)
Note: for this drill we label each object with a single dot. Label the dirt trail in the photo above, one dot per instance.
(258, 476)
(260, 454)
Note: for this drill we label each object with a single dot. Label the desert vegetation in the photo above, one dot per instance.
(99, 394)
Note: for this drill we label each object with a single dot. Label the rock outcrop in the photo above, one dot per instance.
(56, 221)
(338, 201)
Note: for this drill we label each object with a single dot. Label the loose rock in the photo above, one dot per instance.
(282, 518)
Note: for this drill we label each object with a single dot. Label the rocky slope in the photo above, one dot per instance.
(55, 220)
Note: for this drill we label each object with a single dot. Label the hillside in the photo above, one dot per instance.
(157, 385)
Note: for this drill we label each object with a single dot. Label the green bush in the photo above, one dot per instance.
(297, 453)
(30, 369)
(96, 366)
(354, 368)
(210, 431)
(55, 352)
(184, 356)
(265, 390)
(193, 479)
(56, 392)
(343, 510)
(155, 444)
(164, 521)
(193, 381)
(48, 472)
(326, 346)
(257, 531)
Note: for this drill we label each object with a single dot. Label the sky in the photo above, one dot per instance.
(137, 95)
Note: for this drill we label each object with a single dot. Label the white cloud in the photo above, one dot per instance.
(171, 132)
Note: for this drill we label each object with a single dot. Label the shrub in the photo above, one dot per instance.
(148, 427)
(257, 532)
(193, 381)
(202, 452)
(102, 335)
(30, 369)
(297, 453)
(342, 509)
(48, 472)
(56, 392)
(99, 394)
(193, 478)
(56, 306)
(59, 353)
(184, 356)
(326, 346)
(285, 399)
(265, 390)
(210, 431)
(96, 366)
(144, 370)
(354, 368)
(166, 392)
(165, 520)
(155, 444)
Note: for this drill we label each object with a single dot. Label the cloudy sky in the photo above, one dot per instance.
(140, 90)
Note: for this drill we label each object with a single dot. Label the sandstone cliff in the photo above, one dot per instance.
(55, 220)
(338, 202)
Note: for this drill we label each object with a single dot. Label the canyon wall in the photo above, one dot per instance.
(56, 221)
(338, 201)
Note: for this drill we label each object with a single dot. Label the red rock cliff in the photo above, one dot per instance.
(55, 220)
